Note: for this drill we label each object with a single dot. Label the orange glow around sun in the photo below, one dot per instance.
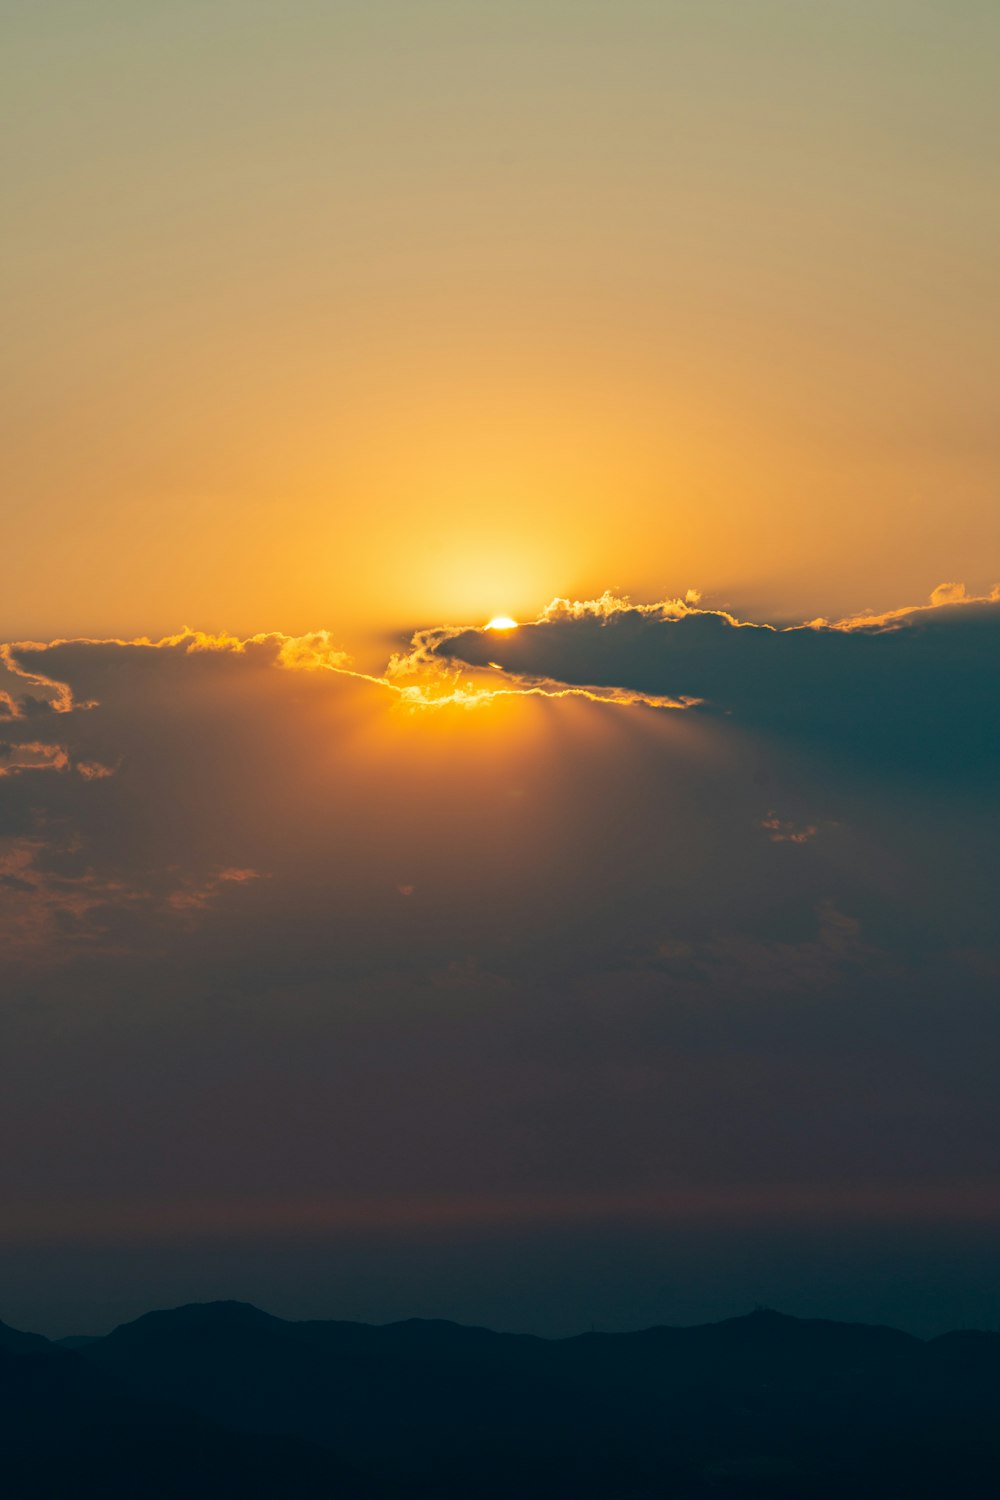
(501, 622)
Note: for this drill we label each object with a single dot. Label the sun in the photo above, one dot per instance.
(501, 622)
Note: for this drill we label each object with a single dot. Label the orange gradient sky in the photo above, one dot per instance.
(373, 315)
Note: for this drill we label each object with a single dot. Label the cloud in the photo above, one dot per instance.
(273, 930)
(909, 690)
(179, 760)
(949, 593)
(784, 831)
(20, 756)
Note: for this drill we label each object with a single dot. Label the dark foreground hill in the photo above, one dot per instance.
(221, 1399)
(67, 1429)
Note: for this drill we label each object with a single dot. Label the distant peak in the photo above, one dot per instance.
(757, 1317)
(203, 1314)
(224, 1309)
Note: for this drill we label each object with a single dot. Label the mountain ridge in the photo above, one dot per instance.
(763, 1405)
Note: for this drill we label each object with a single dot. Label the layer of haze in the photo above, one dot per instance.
(385, 312)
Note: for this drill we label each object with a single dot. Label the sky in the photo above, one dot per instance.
(634, 962)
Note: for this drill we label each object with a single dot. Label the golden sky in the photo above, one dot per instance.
(372, 315)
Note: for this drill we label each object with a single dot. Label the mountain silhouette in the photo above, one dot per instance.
(223, 1399)
(15, 1342)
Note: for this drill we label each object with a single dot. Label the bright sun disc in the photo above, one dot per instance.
(501, 622)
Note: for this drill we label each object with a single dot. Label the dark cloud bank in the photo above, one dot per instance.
(913, 691)
(538, 1012)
